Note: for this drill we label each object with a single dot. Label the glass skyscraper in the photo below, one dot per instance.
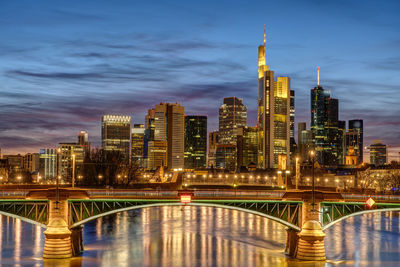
(195, 142)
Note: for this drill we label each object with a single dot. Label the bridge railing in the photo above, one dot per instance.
(13, 193)
(363, 197)
(133, 193)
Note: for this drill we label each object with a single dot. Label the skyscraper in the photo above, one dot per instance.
(137, 145)
(116, 134)
(165, 124)
(70, 152)
(293, 145)
(325, 125)
(357, 126)
(212, 149)
(273, 120)
(232, 115)
(305, 141)
(195, 142)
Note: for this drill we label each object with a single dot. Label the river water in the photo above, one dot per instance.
(203, 236)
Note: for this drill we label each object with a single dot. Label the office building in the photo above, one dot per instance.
(246, 146)
(232, 115)
(48, 163)
(137, 145)
(195, 142)
(83, 140)
(70, 159)
(305, 141)
(116, 134)
(31, 162)
(325, 125)
(378, 153)
(273, 120)
(357, 126)
(212, 149)
(165, 123)
(226, 157)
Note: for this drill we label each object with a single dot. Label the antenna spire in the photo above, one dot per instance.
(318, 77)
(264, 35)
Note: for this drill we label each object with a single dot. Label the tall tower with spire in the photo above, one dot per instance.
(324, 125)
(273, 119)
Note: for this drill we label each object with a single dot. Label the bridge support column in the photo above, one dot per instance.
(291, 242)
(57, 244)
(77, 240)
(311, 242)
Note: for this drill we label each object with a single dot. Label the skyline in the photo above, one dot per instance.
(62, 70)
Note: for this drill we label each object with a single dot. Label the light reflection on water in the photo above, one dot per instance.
(203, 236)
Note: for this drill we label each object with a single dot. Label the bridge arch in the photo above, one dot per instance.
(23, 219)
(292, 226)
(357, 214)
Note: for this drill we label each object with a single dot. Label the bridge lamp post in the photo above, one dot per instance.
(279, 177)
(287, 172)
(312, 154)
(73, 170)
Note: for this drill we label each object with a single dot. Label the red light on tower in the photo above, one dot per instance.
(186, 198)
(370, 202)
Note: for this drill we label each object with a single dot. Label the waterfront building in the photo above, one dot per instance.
(195, 142)
(232, 115)
(246, 146)
(116, 134)
(273, 120)
(378, 153)
(157, 154)
(15, 162)
(212, 149)
(48, 163)
(137, 145)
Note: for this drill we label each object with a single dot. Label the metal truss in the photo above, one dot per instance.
(333, 211)
(80, 210)
(35, 210)
(288, 211)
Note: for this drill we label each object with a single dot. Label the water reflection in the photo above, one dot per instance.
(203, 236)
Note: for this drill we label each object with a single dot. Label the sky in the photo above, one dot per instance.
(64, 64)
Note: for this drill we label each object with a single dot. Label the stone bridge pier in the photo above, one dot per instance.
(60, 241)
(308, 244)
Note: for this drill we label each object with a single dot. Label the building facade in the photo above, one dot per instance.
(116, 135)
(232, 115)
(378, 153)
(357, 127)
(212, 149)
(137, 145)
(48, 163)
(247, 152)
(273, 120)
(70, 161)
(195, 142)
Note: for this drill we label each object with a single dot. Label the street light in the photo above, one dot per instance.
(73, 170)
(312, 154)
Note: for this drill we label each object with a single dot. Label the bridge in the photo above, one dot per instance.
(63, 212)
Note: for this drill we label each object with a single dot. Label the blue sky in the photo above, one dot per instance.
(66, 63)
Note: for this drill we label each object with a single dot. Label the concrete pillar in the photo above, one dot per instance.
(77, 240)
(57, 244)
(311, 242)
(291, 242)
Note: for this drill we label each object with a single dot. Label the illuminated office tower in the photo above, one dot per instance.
(246, 146)
(273, 120)
(48, 163)
(212, 149)
(226, 157)
(325, 125)
(357, 126)
(232, 115)
(137, 145)
(83, 140)
(165, 124)
(70, 152)
(341, 142)
(116, 134)
(305, 141)
(378, 153)
(195, 142)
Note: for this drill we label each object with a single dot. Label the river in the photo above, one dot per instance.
(203, 236)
